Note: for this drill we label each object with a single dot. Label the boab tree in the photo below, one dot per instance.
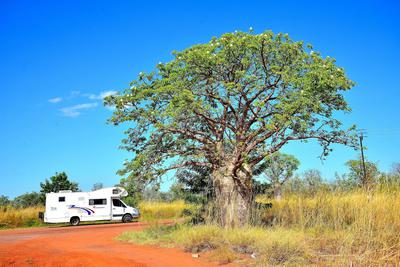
(227, 105)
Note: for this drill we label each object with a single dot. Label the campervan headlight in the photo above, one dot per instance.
(135, 212)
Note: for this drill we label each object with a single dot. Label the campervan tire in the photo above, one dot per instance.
(75, 221)
(127, 218)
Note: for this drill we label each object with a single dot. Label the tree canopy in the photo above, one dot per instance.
(228, 104)
(58, 182)
(278, 168)
(357, 172)
(29, 200)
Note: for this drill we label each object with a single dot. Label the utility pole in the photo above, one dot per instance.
(361, 136)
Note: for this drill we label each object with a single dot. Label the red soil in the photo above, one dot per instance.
(88, 245)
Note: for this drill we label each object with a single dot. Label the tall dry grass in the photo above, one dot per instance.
(153, 210)
(358, 228)
(14, 217)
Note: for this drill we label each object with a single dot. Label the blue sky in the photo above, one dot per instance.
(58, 58)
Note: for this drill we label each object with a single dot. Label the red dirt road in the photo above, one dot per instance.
(88, 245)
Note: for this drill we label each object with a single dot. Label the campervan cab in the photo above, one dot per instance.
(75, 207)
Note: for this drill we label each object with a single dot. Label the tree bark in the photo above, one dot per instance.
(233, 196)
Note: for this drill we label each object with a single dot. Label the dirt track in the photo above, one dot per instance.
(89, 245)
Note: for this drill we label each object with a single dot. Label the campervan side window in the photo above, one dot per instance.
(116, 191)
(98, 201)
(118, 203)
(61, 199)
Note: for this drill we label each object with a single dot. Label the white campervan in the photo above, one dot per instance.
(102, 204)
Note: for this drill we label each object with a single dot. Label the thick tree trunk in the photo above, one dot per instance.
(233, 197)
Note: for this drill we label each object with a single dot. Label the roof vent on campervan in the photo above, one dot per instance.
(65, 191)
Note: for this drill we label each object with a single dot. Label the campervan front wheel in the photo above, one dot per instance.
(127, 218)
(75, 221)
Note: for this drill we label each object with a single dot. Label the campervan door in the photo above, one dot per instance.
(100, 204)
(118, 208)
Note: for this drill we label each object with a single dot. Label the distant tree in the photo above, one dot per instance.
(344, 183)
(314, 182)
(28, 200)
(177, 191)
(97, 186)
(196, 179)
(295, 185)
(357, 173)
(391, 178)
(135, 190)
(4, 200)
(151, 193)
(308, 183)
(395, 169)
(58, 182)
(278, 169)
(261, 188)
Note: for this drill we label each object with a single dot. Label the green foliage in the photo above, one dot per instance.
(344, 183)
(195, 179)
(357, 174)
(309, 183)
(278, 168)
(132, 201)
(134, 188)
(261, 187)
(58, 182)
(4, 201)
(238, 98)
(32, 199)
(97, 186)
(314, 182)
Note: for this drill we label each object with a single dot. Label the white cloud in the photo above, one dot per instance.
(75, 111)
(55, 100)
(102, 95)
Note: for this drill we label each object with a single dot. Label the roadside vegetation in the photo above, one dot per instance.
(310, 222)
(354, 228)
(156, 210)
(11, 217)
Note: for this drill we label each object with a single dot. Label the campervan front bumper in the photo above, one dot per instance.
(136, 213)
